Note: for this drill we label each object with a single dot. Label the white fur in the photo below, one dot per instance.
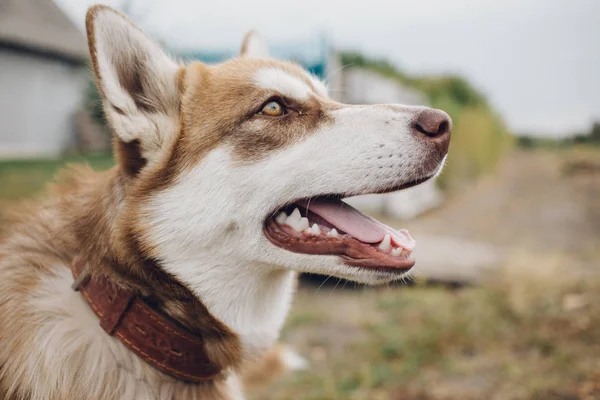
(442, 165)
(282, 82)
(292, 360)
(255, 47)
(321, 87)
(118, 44)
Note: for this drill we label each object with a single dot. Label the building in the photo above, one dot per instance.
(43, 76)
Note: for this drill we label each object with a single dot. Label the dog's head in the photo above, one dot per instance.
(245, 163)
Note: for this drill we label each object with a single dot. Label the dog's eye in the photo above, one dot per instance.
(273, 109)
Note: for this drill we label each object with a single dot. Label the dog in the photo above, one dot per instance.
(170, 275)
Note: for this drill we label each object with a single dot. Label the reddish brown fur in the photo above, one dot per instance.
(220, 103)
(262, 372)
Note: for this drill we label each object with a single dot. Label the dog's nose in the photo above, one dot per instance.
(434, 126)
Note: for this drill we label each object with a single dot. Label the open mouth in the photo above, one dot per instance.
(328, 226)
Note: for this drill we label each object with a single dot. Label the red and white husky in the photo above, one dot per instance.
(228, 182)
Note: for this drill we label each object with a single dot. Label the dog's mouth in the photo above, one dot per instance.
(326, 225)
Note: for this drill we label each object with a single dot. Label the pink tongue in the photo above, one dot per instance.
(356, 224)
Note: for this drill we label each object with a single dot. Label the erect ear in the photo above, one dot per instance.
(253, 46)
(139, 87)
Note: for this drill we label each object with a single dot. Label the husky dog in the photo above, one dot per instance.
(228, 182)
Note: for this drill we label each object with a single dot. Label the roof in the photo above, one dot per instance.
(39, 26)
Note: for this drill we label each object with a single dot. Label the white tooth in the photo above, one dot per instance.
(397, 251)
(281, 217)
(295, 215)
(333, 233)
(295, 221)
(386, 243)
(294, 224)
(308, 231)
(316, 230)
(303, 223)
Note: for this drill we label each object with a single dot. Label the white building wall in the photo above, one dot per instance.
(38, 98)
(361, 86)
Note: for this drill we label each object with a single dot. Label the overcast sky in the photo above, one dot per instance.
(538, 61)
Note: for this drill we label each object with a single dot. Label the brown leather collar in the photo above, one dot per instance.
(153, 336)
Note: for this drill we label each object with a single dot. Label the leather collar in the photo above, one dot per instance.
(152, 335)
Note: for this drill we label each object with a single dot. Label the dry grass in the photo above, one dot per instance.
(24, 178)
(530, 333)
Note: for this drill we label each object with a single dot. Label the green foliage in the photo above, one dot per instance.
(591, 138)
(479, 137)
(24, 178)
(437, 89)
(93, 102)
(384, 67)
(479, 140)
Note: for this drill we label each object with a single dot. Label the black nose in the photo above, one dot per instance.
(434, 126)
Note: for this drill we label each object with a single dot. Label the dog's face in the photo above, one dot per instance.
(245, 163)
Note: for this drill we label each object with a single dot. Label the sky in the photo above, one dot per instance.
(537, 61)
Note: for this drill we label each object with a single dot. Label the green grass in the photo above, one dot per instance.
(20, 179)
(531, 334)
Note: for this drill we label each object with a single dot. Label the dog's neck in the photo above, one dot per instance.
(252, 300)
(241, 308)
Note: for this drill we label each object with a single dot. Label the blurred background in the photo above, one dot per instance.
(504, 302)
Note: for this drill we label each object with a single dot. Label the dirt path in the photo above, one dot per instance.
(533, 202)
(539, 203)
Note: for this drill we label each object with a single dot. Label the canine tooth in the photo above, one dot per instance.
(295, 215)
(315, 229)
(281, 217)
(295, 220)
(386, 243)
(397, 251)
(333, 233)
(303, 223)
(299, 224)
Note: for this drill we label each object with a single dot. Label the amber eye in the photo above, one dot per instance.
(273, 109)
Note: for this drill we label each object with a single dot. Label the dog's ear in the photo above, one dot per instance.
(253, 46)
(139, 87)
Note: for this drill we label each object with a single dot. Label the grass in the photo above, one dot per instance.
(21, 179)
(527, 335)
